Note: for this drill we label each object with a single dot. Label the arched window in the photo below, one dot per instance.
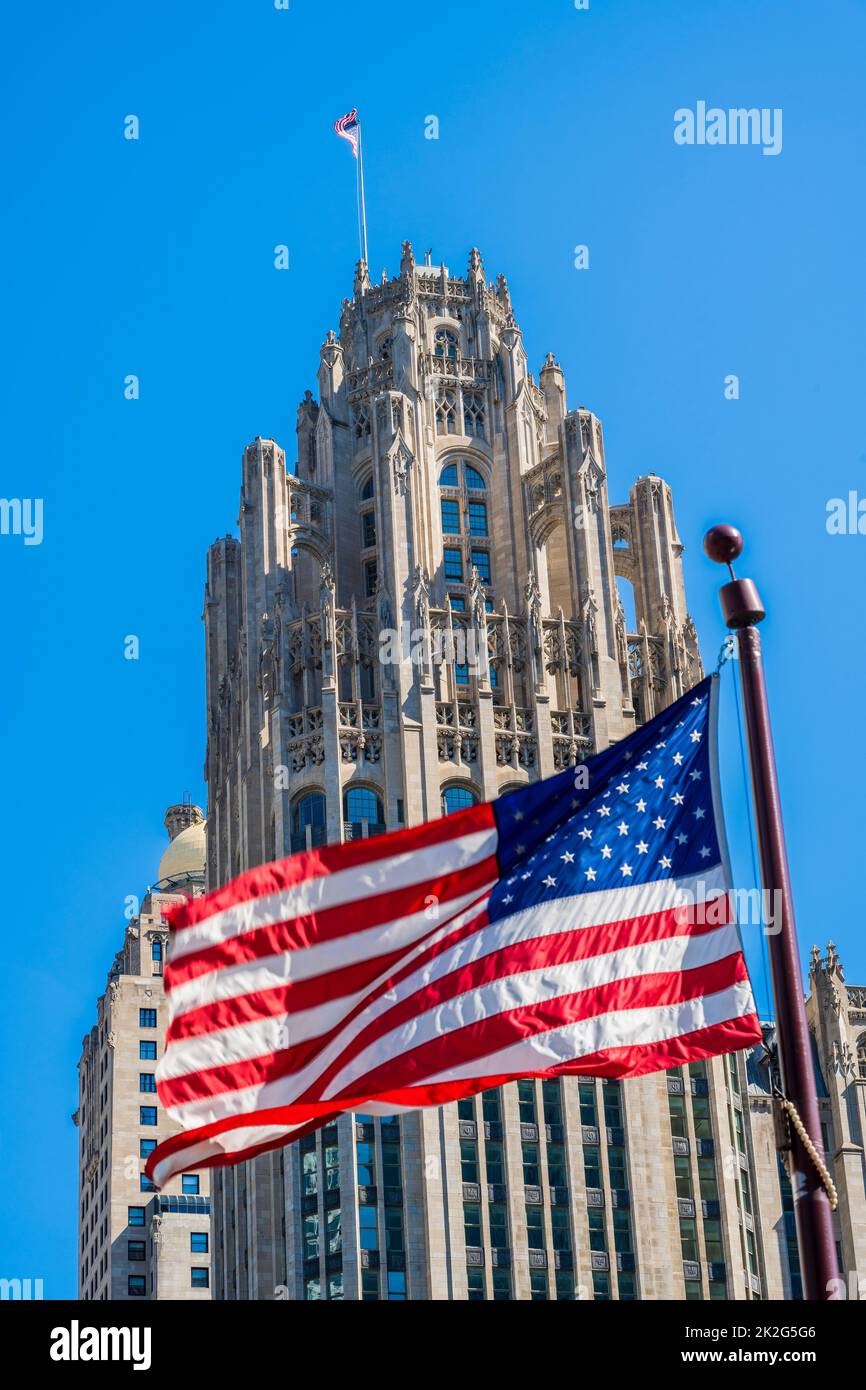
(448, 476)
(367, 490)
(309, 821)
(456, 798)
(464, 513)
(445, 343)
(861, 1055)
(473, 478)
(362, 812)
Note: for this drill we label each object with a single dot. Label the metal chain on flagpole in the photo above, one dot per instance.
(820, 1166)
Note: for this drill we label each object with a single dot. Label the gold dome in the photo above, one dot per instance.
(185, 854)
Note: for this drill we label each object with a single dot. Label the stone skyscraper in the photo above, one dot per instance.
(132, 1242)
(440, 493)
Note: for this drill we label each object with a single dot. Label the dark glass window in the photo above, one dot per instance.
(366, 1164)
(531, 1170)
(135, 1216)
(526, 1102)
(597, 1236)
(147, 1115)
(136, 1251)
(368, 1227)
(478, 518)
(368, 528)
(592, 1165)
(469, 1160)
(537, 1285)
(561, 1228)
(136, 1286)
(362, 804)
(199, 1278)
(146, 1147)
(456, 799)
(495, 1161)
(145, 1184)
(147, 1018)
(453, 564)
(473, 478)
(448, 476)
(481, 560)
(147, 1051)
(146, 1081)
(198, 1242)
(689, 1238)
(498, 1216)
(616, 1165)
(621, 1230)
(612, 1104)
(535, 1228)
(396, 1284)
(551, 1097)
(475, 1285)
(472, 1223)
(451, 516)
(369, 1286)
(556, 1171)
(501, 1285)
(370, 577)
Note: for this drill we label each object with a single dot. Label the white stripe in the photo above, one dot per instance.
(514, 991)
(674, 953)
(258, 1038)
(291, 966)
(231, 1141)
(626, 1028)
(337, 889)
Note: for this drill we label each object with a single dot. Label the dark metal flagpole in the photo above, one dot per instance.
(742, 611)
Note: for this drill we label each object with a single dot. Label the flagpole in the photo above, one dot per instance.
(742, 611)
(361, 186)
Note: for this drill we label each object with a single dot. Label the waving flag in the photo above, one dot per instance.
(347, 128)
(579, 925)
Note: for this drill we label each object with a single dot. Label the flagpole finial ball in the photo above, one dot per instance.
(723, 544)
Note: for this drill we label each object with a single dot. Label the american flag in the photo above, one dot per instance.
(347, 128)
(581, 924)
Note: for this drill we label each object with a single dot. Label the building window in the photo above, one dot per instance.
(473, 413)
(198, 1242)
(147, 1018)
(625, 1285)
(538, 1286)
(597, 1236)
(146, 1147)
(472, 1223)
(309, 821)
(394, 1228)
(136, 1251)
(335, 1288)
(497, 1215)
(564, 1285)
(145, 1184)
(396, 1284)
(621, 1231)
(495, 1161)
(147, 1115)
(146, 1081)
(367, 491)
(689, 1238)
(313, 1290)
(368, 1227)
(445, 343)
(332, 1168)
(369, 1286)
(526, 1102)
(334, 1231)
(551, 1099)
(475, 1285)
(310, 1175)
(135, 1216)
(136, 1286)
(147, 1051)
(601, 1287)
(861, 1055)
(561, 1228)
(453, 565)
(469, 1160)
(448, 476)
(592, 1165)
(586, 1096)
(501, 1285)
(311, 1237)
(363, 809)
(371, 574)
(199, 1277)
(450, 516)
(613, 1104)
(366, 1164)
(190, 1184)
(456, 798)
(368, 529)
(156, 950)
(480, 559)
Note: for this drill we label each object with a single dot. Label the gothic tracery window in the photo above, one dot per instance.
(861, 1055)
(445, 343)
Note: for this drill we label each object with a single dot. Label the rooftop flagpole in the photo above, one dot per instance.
(742, 610)
(363, 208)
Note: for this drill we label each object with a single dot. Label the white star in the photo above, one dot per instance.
(682, 839)
(590, 874)
(659, 782)
(641, 805)
(518, 815)
(607, 794)
(549, 882)
(642, 767)
(659, 823)
(604, 810)
(586, 833)
(696, 776)
(695, 735)
(622, 828)
(568, 857)
(625, 870)
(661, 745)
(526, 876)
(508, 898)
(642, 846)
(700, 813)
(678, 757)
(705, 853)
(605, 851)
(623, 787)
(665, 862)
(698, 701)
(677, 798)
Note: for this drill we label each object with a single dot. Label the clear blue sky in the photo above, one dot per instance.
(156, 258)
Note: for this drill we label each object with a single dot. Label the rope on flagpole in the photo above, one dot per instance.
(818, 1163)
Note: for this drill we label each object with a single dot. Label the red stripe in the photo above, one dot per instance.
(328, 859)
(477, 1039)
(332, 923)
(619, 1062)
